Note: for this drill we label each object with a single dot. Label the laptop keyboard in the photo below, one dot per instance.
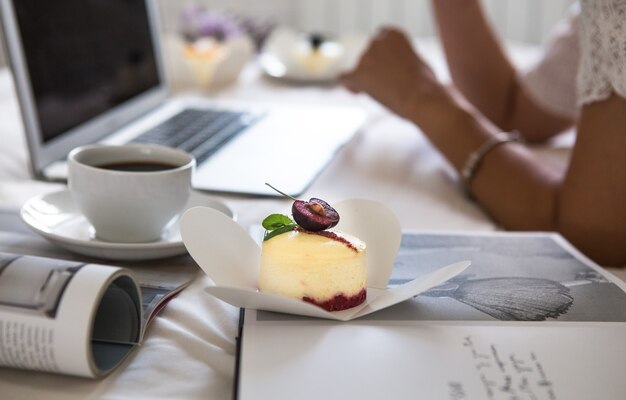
(200, 132)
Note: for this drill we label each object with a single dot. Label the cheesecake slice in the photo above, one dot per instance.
(325, 268)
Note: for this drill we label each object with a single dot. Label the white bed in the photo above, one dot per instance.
(189, 350)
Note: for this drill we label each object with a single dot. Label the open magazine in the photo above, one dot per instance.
(68, 316)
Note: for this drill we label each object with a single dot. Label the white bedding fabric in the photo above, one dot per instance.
(189, 350)
(188, 353)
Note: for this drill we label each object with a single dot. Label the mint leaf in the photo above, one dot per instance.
(276, 221)
(276, 232)
(276, 224)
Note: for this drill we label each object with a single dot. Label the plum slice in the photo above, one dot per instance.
(314, 215)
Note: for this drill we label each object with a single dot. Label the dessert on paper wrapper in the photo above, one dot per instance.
(304, 258)
(231, 258)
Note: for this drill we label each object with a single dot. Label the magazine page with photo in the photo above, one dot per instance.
(513, 277)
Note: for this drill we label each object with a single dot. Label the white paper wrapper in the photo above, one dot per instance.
(231, 258)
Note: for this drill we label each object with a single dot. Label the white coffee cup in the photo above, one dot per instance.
(130, 193)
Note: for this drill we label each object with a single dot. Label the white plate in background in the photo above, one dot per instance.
(288, 55)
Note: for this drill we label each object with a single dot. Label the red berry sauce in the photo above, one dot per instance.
(340, 301)
(330, 235)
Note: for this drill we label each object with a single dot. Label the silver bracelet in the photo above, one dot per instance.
(475, 158)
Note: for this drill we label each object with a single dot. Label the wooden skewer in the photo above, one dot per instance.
(283, 193)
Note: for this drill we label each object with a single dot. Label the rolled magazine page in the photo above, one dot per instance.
(66, 317)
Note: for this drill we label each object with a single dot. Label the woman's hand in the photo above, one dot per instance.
(393, 74)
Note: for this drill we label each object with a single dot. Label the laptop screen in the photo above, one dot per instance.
(84, 57)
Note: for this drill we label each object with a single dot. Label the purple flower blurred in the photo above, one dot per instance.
(198, 22)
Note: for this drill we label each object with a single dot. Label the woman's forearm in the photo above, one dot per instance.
(478, 65)
(585, 203)
(515, 188)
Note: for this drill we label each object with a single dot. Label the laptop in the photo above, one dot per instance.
(90, 71)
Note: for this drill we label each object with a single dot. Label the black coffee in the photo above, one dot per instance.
(138, 166)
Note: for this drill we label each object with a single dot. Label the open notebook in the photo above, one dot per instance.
(531, 318)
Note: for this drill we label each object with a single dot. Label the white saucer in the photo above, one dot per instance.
(55, 217)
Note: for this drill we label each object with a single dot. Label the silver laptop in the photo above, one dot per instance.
(91, 71)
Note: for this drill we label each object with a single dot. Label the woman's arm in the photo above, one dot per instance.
(484, 74)
(592, 197)
(586, 203)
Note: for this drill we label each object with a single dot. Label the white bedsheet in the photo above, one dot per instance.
(188, 353)
(189, 350)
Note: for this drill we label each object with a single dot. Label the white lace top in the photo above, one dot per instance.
(585, 60)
